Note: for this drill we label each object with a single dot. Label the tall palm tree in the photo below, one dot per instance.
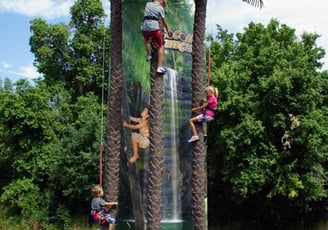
(197, 73)
(198, 162)
(111, 174)
(156, 147)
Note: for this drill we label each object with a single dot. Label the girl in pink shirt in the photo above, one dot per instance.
(210, 107)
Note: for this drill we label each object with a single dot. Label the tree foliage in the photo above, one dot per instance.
(267, 147)
(51, 130)
(272, 120)
(49, 151)
(73, 54)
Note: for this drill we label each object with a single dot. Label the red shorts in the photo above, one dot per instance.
(156, 37)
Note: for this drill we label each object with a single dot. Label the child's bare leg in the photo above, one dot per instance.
(111, 227)
(160, 56)
(192, 126)
(147, 46)
(135, 150)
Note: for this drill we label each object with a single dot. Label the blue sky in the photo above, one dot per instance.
(16, 60)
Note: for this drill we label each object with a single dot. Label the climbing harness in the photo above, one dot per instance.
(95, 216)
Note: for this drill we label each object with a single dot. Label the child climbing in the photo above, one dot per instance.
(209, 111)
(99, 207)
(141, 139)
(154, 14)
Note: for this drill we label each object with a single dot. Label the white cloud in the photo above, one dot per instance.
(5, 65)
(303, 16)
(47, 9)
(29, 72)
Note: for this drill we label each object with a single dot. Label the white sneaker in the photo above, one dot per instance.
(161, 69)
(148, 57)
(193, 138)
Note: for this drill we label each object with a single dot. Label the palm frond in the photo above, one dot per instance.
(256, 3)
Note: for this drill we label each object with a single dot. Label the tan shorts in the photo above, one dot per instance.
(142, 140)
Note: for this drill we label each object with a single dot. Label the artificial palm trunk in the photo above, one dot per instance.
(156, 146)
(198, 149)
(111, 173)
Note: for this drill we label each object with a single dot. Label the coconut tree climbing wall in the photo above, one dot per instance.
(176, 175)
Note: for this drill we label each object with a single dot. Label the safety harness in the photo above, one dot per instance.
(95, 216)
(204, 113)
(150, 18)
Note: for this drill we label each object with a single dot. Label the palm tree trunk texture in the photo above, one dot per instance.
(198, 150)
(111, 173)
(156, 147)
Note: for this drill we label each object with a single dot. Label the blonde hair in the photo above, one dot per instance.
(212, 89)
(96, 190)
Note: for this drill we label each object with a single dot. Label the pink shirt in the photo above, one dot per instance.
(212, 103)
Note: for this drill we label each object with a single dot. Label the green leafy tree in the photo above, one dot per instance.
(73, 54)
(29, 129)
(198, 149)
(89, 43)
(30, 124)
(76, 163)
(50, 131)
(271, 150)
(6, 85)
(22, 197)
(49, 44)
(51, 147)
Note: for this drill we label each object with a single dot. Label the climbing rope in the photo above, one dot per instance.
(209, 66)
(102, 111)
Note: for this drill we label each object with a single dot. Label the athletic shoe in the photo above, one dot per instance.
(161, 70)
(148, 57)
(193, 138)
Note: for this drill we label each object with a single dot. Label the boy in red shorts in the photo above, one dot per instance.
(154, 15)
